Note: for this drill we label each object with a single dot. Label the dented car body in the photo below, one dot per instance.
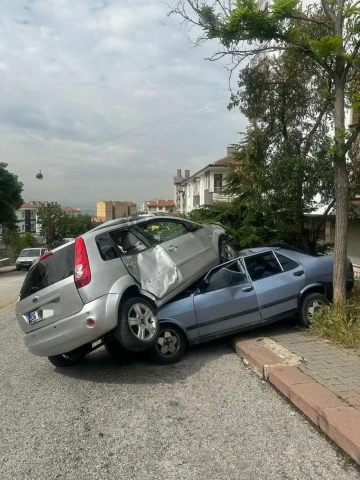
(73, 295)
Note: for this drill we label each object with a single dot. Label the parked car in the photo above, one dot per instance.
(107, 284)
(260, 287)
(27, 257)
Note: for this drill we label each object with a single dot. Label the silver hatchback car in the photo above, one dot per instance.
(105, 286)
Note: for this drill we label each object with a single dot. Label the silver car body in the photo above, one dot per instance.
(255, 299)
(157, 270)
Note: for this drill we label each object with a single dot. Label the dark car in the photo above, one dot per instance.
(262, 286)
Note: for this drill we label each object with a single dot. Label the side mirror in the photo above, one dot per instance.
(203, 285)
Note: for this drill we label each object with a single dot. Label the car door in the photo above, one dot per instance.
(226, 301)
(188, 246)
(149, 264)
(277, 288)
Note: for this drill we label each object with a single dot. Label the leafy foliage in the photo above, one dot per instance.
(55, 225)
(328, 35)
(10, 196)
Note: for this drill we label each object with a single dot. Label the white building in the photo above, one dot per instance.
(27, 216)
(205, 186)
(162, 205)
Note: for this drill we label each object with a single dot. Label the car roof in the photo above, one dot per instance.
(136, 219)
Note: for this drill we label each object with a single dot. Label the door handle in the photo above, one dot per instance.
(248, 289)
(299, 273)
(171, 248)
(35, 299)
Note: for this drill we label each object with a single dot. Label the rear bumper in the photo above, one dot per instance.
(73, 332)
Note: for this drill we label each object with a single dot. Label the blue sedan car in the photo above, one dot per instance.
(262, 286)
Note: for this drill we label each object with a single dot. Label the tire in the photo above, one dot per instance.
(66, 360)
(226, 250)
(138, 325)
(115, 349)
(309, 305)
(174, 350)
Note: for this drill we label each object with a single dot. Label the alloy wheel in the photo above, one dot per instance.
(142, 321)
(168, 343)
(314, 307)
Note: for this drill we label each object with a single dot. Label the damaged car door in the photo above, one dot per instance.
(187, 244)
(149, 264)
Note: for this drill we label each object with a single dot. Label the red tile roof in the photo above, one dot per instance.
(160, 203)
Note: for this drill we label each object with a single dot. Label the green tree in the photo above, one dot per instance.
(329, 35)
(284, 159)
(53, 223)
(10, 197)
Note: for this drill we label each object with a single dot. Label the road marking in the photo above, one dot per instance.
(11, 302)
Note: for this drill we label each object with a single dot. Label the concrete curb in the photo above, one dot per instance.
(333, 416)
(4, 270)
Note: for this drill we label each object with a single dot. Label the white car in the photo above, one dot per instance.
(28, 256)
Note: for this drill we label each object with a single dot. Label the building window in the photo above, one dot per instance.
(217, 182)
(207, 180)
(23, 228)
(22, 214)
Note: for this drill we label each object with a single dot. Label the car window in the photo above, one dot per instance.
(159, 231)
(56, 267)
(106, 247)
(30, 253)
(286, 262)
(127, 242)
(226, 276)
(262, 266)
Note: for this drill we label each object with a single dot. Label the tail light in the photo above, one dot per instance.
(82, 273)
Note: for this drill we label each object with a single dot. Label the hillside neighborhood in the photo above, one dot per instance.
(180, 240)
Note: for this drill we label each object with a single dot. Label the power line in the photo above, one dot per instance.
(85, 149)
(138, 135)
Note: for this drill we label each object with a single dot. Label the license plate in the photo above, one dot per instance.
(34, 317)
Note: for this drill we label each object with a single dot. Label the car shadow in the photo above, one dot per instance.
(100, 367)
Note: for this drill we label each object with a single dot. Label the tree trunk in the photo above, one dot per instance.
(341, 181)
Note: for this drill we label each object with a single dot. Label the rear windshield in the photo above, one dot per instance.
(53, 269)
(30, 253)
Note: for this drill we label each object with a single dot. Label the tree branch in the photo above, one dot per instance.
(330, 14)
(353, 56)
(324, 217)
(315, 127)
(351, 139)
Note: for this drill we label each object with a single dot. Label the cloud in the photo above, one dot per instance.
(74, 74)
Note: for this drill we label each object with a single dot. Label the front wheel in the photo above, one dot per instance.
(138, 325)
(311, 304)
(170, 346)
(226, 250)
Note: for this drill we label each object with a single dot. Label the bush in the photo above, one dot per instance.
(340, 324)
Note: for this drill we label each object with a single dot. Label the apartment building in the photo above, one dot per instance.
(110, 209)
(160, 205)
(27, 216)
(205, 186)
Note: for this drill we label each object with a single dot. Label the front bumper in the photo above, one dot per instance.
(72, 332)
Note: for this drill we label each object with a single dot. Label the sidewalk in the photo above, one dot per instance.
(320, 379)
(6, 269)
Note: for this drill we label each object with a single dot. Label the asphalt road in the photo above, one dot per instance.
(208, 417)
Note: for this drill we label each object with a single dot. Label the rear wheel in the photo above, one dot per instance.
(115, 349)
(170, 346)
(310, 305)
(138, 325)
(226, 250)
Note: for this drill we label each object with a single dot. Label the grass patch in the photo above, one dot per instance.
(340, 324)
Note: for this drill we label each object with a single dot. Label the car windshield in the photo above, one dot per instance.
(30, 253)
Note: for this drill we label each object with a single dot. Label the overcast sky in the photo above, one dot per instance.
(76, 73)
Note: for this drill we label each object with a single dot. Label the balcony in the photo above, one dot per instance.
(214, 195)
